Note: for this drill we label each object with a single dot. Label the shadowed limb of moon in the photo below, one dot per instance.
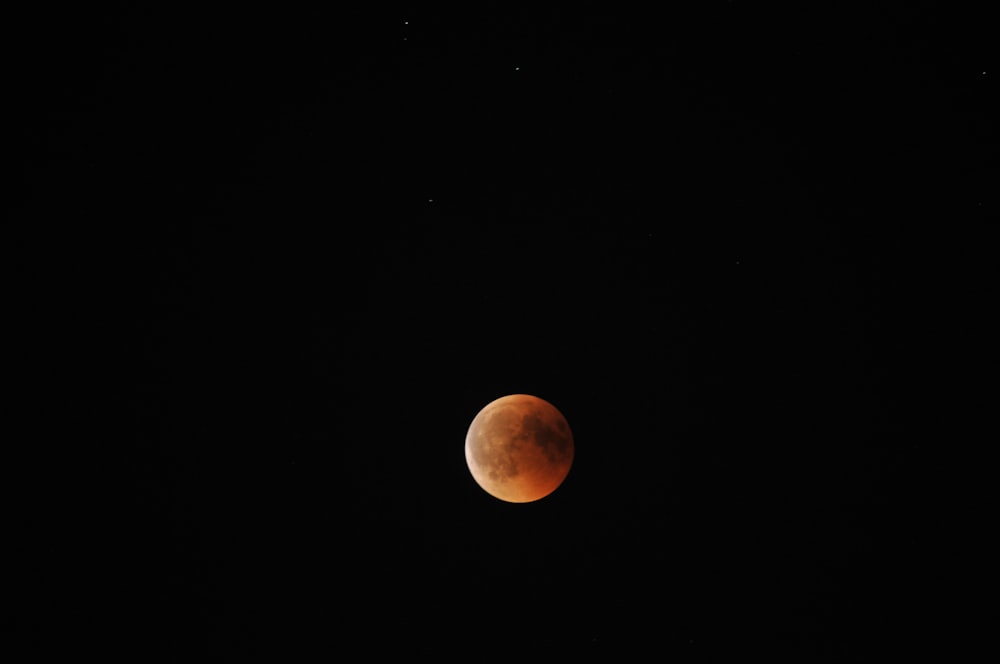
(519, 448)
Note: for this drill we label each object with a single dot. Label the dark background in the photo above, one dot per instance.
(291, 252)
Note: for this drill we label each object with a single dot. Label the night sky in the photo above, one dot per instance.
(299, 248)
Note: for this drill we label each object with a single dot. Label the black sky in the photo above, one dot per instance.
(300, 248)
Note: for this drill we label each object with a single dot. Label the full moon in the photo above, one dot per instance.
(519, 448)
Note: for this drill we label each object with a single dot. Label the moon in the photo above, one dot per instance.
(519, 448)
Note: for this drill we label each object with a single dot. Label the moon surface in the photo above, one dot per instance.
(519, 448)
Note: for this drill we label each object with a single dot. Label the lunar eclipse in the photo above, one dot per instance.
(519, 448)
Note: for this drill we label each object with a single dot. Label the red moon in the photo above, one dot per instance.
(519, 448)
